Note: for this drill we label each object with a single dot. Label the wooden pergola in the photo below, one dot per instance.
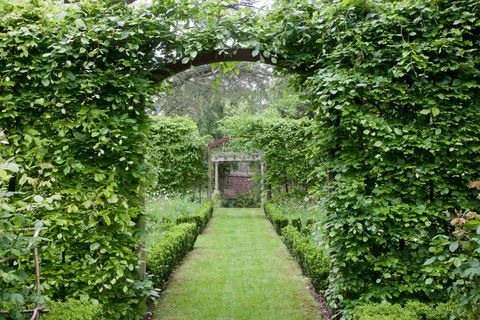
(233, 157)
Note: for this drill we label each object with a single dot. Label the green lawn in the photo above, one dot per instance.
(239, 269)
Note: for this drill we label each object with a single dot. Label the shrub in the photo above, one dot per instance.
(73, 310)
(411, 311)
(200, 218)
(383, 311)
(309, 255)
(278, 220)
(169, 250)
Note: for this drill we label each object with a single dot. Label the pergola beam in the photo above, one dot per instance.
(239, 158)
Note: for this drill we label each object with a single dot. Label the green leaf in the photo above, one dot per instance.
(430, 261)
(454, 246)
(435, 112)
(45, 82)
(255, 52)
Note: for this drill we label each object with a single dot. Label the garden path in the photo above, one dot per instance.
(239, 269)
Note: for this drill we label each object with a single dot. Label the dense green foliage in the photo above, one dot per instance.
(175, 156)
(395, 88)
(283, 143)
(73, 96)
(169, 250)
(16, 236)
(310, 256)
(73, 310)
(459, 255)
(282, 215)
(207, 94)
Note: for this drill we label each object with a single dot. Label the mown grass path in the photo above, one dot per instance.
(239, 269)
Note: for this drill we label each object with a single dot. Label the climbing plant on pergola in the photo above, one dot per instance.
(394, 87)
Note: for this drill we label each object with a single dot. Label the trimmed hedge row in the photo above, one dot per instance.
(276, 217)
(73, 310)
(280, 220)
(174, 244)
(169, 250)
(312, 260)
(413, 310)
(200, 218)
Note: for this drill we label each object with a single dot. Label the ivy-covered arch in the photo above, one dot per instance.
(394, 86)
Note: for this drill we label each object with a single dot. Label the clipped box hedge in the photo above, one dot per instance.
(278, 220)
(73, 310)
(200, 218)
(413, 310)
(311, 258)
(169, 250)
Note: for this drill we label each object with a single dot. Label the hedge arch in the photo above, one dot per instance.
(395, 87)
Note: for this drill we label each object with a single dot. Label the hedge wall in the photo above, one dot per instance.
(176, 155)
(395, 87)
(73, 95)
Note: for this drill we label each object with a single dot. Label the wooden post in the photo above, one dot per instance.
(217, 189)
(209, 170)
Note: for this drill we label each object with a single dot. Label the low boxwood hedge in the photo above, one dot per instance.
(278, 220)
(309, 255)
(73, 310)
(200, 218)
(412, 310)
(169, 250)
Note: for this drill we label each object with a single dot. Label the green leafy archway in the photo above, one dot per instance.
(394, 86)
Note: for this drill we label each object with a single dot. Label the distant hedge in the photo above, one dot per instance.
(176, 155)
